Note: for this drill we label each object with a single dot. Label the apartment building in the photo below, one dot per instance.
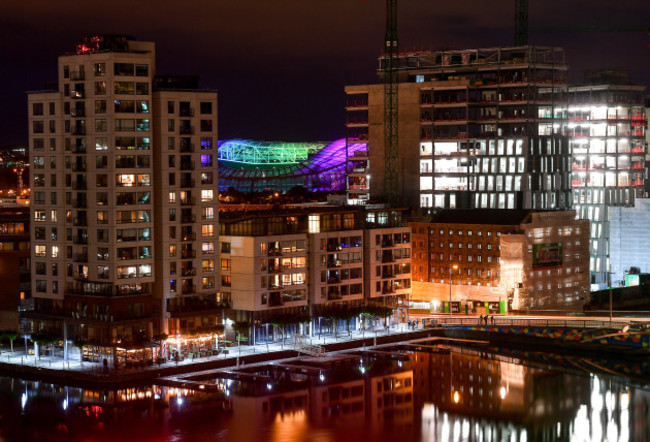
(310, 261)
(607, 130)
(478, 128)
(489, 261)
(14, 262)
(109, 174)
(186, 206)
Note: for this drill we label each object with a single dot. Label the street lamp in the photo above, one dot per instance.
(454, 267)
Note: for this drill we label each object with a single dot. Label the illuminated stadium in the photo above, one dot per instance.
(253, 166)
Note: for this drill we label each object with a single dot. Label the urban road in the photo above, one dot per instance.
(75, 372)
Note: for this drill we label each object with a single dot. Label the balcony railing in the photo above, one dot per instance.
(188, 289)
(186, 130)
(189, 271)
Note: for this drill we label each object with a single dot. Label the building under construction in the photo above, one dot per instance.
(478, 128)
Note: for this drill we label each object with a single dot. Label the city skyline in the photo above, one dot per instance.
(272, 52)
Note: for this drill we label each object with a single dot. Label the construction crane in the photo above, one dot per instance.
(391, 176)
(521, 22)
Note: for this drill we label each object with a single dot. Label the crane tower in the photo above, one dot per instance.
(391, 178)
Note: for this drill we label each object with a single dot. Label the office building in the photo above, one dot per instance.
(607, 130)
(485, 259)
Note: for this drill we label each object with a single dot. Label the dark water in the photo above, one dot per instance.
(466, 395)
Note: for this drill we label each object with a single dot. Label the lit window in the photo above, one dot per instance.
(207, 247)
(207, 195)
(208, 282)
(39, 250)
(207, 230)
(206, 160)
(208, 265)
(39, 215)
(55, 251)
(172, 197)
(172, 250)
(208, 212)
(125, 179)
(53, 216)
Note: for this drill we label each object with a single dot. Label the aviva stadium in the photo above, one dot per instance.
(252, 166)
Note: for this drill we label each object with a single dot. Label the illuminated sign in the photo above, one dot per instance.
(547, 255)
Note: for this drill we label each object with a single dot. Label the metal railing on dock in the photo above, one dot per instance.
(520, 322)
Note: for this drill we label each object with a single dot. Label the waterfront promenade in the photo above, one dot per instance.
(74, 371)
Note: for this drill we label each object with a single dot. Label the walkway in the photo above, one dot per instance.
(19, 359)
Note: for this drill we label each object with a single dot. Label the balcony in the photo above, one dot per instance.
(186, 112)
(80, 222)
(388, 258)
(334, 247)
(186, 130)
(273, 286)
(188, 254)
(189, 271)
(275, 299)
(334, 294)
(80, 240)
(77, 75)
(189, 237)
(79, 203)
(78, 149)
(78, 112)
(80, 276)
(186, 147)
(188, 289)
(276, 269)
(386, 275)
(188, 165)
(79, 185)
(275, 252)
(80, 257)
(188, 201)
(187, 184)
(78, 130)
(79, 167)
(187, 219)
(332, 263)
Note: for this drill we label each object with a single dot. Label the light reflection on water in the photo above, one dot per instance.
(465, 395)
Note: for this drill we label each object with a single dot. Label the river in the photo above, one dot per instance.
(465, 394)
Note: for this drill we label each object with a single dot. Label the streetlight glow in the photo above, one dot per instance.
(451, 267)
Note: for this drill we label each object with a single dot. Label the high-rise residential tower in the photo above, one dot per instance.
(123, 183)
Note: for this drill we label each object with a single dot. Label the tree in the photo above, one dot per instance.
(161, 340)
(11, 336)
(44, 339)
(282, 320)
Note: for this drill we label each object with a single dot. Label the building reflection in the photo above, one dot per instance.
(466, 394)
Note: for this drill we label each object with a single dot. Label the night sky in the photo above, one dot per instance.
(280, 66)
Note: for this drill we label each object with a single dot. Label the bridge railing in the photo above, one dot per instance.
(522, 322)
